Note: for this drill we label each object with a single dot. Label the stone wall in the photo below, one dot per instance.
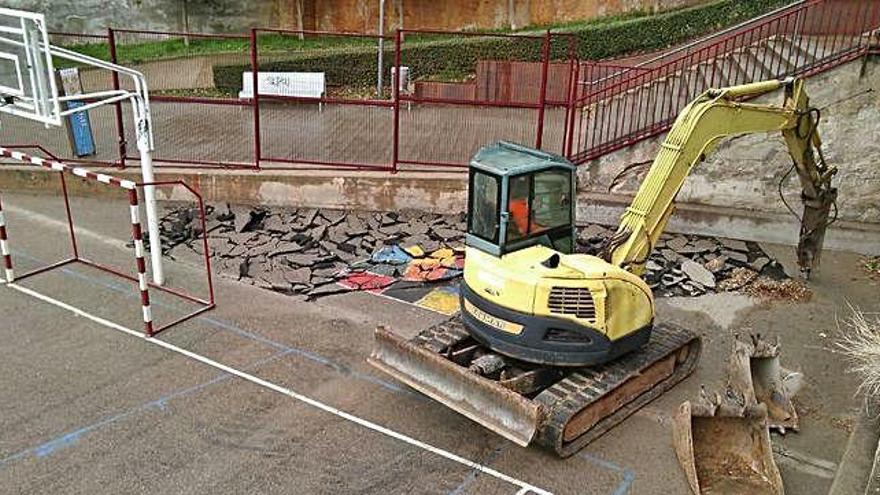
(93, 16)
(744, 172)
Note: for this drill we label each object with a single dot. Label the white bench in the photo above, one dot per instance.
(300, 84)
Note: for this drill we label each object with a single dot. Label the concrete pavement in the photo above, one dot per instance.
(85, 409)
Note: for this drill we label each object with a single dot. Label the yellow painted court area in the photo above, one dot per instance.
(442, 300)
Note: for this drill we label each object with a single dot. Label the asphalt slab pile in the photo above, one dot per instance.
(312, 253)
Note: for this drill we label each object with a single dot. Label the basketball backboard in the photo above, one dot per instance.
(27, 77)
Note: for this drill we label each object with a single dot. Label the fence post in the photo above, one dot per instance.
(120, 127)
(572, 101)
(545, 56)
(569, 106)
(255, 99)
(395, 91)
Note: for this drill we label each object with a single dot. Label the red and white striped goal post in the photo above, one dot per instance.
(136, 232)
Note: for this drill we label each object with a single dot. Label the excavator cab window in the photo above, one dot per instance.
(485, 198)
(540, 210)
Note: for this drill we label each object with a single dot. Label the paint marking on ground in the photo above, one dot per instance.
(69, 438)
(311, 356)
(628, 476)
(805, 463)
(443, 300)
(288, 350)
(473, 474)
(524, 486)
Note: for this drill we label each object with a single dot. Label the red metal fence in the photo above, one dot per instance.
(803, 38)
(348, 125)
(463, 90)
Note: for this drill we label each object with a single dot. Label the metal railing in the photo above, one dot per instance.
(634, 103)
(528, 88)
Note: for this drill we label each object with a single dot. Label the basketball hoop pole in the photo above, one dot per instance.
(144, 145)
(140, 101)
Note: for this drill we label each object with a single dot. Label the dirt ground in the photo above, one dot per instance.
(86, 409)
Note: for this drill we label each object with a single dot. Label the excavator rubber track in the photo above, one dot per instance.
(567, 411)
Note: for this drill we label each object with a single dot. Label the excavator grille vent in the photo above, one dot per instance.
(572, 301)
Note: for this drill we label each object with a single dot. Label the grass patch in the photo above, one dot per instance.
(133, 53)
(872, 265)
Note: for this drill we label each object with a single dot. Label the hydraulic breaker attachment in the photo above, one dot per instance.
(814, 222)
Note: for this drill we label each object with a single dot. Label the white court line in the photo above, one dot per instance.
(525, 488)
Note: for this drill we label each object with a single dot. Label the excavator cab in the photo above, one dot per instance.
(520, 197)
(524, 293)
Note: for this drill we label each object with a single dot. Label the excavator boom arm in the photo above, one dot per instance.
(711, 117)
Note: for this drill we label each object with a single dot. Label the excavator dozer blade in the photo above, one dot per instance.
(724, 448)
(499, 409)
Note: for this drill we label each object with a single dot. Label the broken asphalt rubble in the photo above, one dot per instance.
(316, 253)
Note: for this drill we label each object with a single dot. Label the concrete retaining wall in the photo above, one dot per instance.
(744, 172)
(439, 193)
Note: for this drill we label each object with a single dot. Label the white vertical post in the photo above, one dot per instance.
(146, 157)
(381, 48)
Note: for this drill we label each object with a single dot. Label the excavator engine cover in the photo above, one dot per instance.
(542, 339)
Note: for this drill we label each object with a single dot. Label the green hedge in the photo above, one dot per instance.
(454, 58)
(666, 29)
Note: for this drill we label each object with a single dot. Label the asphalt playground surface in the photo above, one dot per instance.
(87, 408)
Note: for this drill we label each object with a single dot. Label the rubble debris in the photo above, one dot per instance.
(734, 244)
(779, 290)
(320, 252)
(698, 273)
(392, 255)
(740, 258)
(312, 248)
(739, 278)
(717, 264)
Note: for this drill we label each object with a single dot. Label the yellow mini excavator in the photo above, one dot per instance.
(556, 347)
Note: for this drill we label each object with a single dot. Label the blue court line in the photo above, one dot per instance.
(66, 440)
(341, 368)
(473, 474)
(628, 475)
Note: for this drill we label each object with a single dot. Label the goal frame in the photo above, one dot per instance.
(131, 189)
